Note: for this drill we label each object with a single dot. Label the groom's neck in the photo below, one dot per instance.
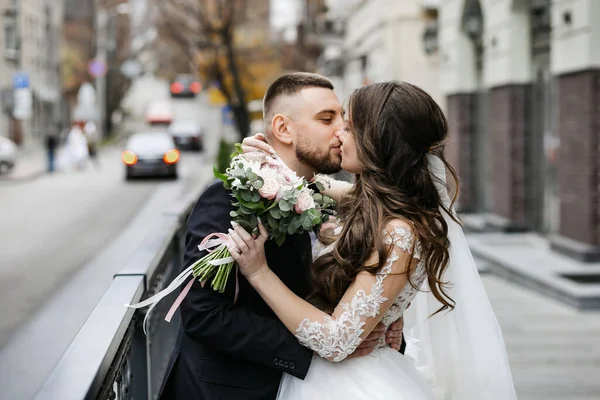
(288, 156)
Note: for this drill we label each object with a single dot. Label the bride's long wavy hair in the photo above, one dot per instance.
(394, 125)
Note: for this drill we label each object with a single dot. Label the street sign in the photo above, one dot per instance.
(20, 80)
(96, 68)
(227, 115)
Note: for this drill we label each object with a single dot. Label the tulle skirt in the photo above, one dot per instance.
(385, 374)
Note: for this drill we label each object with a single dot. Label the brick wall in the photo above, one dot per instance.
(508, 124)
(578, 100)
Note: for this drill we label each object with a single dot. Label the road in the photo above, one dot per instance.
(54, 225)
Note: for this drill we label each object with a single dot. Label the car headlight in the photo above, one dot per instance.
(171, 156)
(128, 157)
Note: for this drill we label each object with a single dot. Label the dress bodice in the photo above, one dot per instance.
(336, 338)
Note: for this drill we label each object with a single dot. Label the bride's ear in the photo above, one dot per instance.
(280, 125)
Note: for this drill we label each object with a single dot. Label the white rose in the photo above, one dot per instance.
(269, 189)
(305, 202)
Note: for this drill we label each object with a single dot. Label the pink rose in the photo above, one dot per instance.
(269, 189)
(305, 202)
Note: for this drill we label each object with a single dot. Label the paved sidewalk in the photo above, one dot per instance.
(528, 260)
(31, 163)
(553, 348)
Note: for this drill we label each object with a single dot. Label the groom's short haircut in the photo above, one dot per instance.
(288, 85)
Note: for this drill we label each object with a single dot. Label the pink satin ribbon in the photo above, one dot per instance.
(209, 248)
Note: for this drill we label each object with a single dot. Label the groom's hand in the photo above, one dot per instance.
(394, 334)
(378, 335)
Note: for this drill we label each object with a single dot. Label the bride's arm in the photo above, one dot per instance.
(334, 188)
(360, 309)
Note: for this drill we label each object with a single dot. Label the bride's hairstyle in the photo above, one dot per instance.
(395, 125)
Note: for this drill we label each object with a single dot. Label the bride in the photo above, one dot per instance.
(399, 243)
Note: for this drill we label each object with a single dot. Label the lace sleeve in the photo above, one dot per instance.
(337, 336)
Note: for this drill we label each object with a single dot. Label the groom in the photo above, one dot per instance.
(229, 351)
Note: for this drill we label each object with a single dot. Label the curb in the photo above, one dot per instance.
(23, 178)
(551, 285)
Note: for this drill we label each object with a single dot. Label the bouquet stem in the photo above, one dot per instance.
(204, 270)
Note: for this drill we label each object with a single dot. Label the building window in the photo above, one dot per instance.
(11, 37)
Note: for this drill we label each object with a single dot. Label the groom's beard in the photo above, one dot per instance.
(323, 161)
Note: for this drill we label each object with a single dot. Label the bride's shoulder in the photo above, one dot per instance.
(401, 233)
(398, 227)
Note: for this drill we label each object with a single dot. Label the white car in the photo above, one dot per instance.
(150, 154)
(159, 112)
(8, 155)
(187, 134)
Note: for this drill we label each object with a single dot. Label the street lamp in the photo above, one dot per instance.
(430, 38)
(472, 20)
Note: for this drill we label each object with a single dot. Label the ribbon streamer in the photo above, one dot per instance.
(209, 245)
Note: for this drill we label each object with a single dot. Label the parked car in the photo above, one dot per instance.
(187, 134)
(185, 86)
(150, 154)
(8, 155)
(159, 112)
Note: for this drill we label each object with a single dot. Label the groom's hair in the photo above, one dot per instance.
(288, 85)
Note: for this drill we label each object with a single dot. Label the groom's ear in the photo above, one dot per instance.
(281, 129)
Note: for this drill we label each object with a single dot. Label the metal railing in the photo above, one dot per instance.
(111, 358)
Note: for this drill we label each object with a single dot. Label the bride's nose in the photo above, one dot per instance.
(341, 134)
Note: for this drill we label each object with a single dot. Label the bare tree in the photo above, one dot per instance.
(205, 29)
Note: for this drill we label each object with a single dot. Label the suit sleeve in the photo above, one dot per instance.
(210, 318)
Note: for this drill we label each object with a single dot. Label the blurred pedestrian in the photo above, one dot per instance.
(91, 133)
(75, 153)
(51, 145)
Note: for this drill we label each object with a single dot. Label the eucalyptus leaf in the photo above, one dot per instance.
(307, 223)
(246, 196)
(245, 210)
(291, 229)
(279, 239)
(258, 184)
(273, 222)
(275, 213)
(285, 206)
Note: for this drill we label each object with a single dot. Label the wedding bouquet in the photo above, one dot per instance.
(262, 187)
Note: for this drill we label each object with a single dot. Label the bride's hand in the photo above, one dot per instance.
(256, 143)
(249, 253)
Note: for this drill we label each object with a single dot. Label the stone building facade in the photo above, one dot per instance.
(521, 79)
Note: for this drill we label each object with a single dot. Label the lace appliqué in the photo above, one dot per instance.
(404, 240)
(336, 338)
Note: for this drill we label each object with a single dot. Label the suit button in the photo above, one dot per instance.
(275, 361)
(292, 365)
(286, 364)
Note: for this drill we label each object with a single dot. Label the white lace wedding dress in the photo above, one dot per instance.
(385, 373)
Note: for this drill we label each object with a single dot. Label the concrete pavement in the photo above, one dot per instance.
(553, 348)
(527, 259)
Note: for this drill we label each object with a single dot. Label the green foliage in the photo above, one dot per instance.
(223, 156)
(281, 216)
